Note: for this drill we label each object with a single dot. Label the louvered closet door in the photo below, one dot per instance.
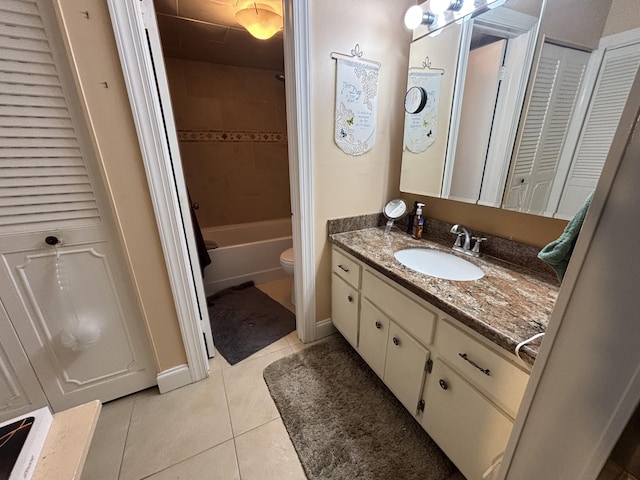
(555, 93)
(618, 70)
(71, 304)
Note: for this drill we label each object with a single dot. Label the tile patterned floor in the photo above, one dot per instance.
(223, 428)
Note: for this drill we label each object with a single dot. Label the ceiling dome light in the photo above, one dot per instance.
(415, 17)
(260, 20)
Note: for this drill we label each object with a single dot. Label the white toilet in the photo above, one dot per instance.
(286, 261)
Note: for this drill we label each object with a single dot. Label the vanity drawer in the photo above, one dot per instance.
(410, 315)
(346, 268)
(499, 379)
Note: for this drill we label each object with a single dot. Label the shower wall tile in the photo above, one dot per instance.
(231, 125)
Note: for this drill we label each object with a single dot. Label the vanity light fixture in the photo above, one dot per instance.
(433, 15)
(260, 20)
(416, 16)
(441, 6)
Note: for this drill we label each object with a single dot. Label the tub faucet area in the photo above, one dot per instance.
(461, 231)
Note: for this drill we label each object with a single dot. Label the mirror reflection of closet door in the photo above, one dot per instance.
(617, 72)
(555, 93)
(476, 120)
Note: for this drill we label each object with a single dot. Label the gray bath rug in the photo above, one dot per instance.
(343, 421)
(245, 320)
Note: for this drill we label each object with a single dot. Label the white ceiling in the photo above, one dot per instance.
(206, 31)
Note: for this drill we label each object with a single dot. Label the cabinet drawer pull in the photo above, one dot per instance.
(486, 371)
(396, 341)
(378, 325)
(443, 385)
(344, 269)
(350, 298)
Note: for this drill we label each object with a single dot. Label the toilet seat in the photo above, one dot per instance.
(287, 256)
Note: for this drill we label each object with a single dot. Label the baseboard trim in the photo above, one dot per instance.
(173, 378)
(324, 328)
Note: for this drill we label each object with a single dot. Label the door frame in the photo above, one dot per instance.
(169, 197)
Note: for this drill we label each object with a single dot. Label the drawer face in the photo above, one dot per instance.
(345, 303)
(404, 369)
(467, 426)
(345, 268)
(374, 332)
(504, 383)
(411, 316)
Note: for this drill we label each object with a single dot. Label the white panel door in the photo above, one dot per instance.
(555, 94)
(20, 391)
(617, 72)
(71, 304)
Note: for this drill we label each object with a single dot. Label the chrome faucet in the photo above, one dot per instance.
(465, 248)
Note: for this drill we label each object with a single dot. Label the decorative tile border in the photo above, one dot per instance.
(231, 136)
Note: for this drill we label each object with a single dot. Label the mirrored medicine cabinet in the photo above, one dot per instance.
(522, 105)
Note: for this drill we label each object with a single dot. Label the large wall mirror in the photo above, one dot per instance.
(522, 104)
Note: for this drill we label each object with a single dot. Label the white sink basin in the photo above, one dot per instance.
(438, 264)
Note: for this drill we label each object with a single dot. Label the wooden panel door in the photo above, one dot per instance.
(63, 280)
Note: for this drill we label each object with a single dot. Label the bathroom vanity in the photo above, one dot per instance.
(444, 348)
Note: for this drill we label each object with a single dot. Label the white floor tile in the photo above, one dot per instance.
(293, 338)
(167, 429)
(217, 363)
(250, 403)
(217, 463)
(105, 454)
(266, 453)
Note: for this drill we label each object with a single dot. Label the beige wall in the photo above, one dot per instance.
(95, 60)
(521, 227)
(232, 129)
(624, 15)
(345, 185)
(577, 23)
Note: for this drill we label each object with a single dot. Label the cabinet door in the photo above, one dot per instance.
(405, 367)
(468, 428)
(345, 302)
(374, 331)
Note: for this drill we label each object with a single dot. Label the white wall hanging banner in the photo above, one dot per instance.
(356, 100)
(420, 128)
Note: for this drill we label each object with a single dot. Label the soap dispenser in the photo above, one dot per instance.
(418, 222)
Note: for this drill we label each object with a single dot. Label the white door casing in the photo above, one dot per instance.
(50, 187)
(131, 39)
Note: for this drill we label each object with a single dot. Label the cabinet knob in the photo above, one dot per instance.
(396, 341)
(350, 298)
(443, 385)
(343, 268)
(378, 325)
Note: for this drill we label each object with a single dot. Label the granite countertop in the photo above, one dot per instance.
(508, 305)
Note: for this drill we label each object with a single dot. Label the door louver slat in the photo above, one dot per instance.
(44, 183)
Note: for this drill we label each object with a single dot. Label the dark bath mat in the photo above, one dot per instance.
(245, 320)
(343, 421)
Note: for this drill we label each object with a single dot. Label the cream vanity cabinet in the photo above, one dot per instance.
(345, 295)
(464, 390)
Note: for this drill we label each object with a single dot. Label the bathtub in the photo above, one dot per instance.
(247, 251)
